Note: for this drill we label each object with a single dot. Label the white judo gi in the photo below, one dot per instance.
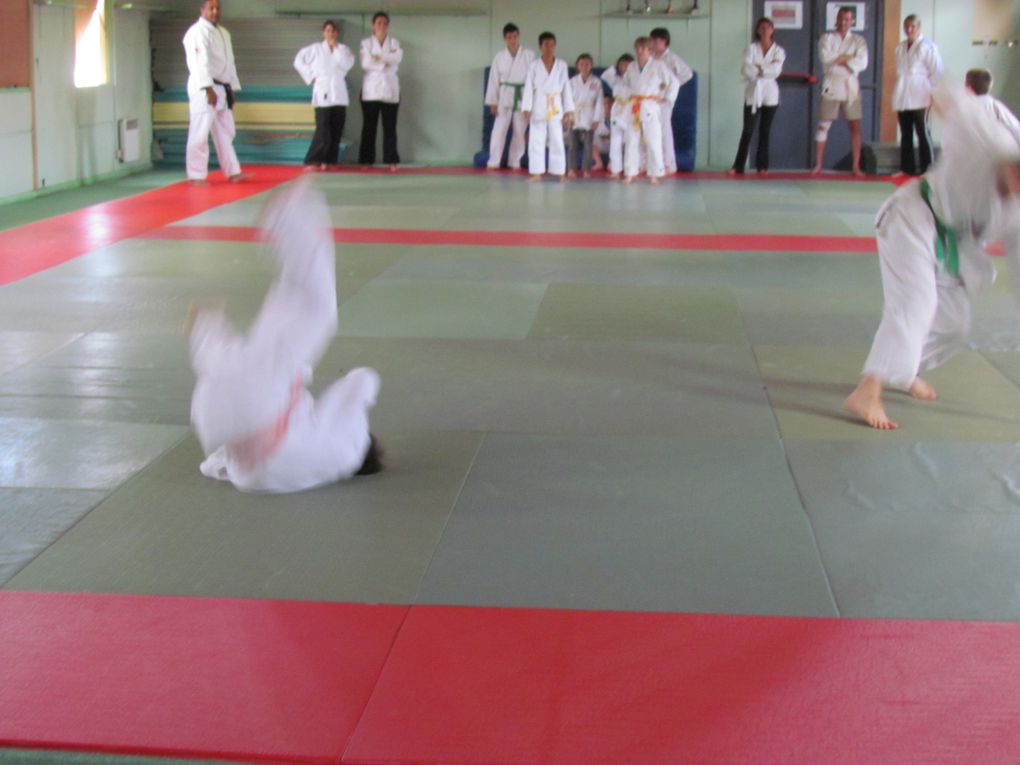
(547, 97)
(210, 59)
(682, 74)
(645, 87)
(325, 69)
(619, 118)
(505, 91)
(918, 68)
(259, 426)
(926, 312)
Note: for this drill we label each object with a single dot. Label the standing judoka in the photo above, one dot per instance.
(589, 113)
(324, 65)
(259, 426)
(503, 95)
(619, 112)
(547, 105)
(682, 74)
(649, 83)
(212, 80)
(930, 245)
(918, 67)
(844, 55)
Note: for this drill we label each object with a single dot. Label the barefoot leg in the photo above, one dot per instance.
(866, 403)
(922, 391)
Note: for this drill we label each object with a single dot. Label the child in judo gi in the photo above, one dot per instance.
(503, 95)
(619, 113)
(258, 425)
(548, 105)
(588, 115)
(930, 235)
(649, 83)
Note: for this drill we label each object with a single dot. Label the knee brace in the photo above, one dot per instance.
(823, 130)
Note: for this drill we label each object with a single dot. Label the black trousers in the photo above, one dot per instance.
(329, 127)
(913, 122)
(371, 111)
(761, 161)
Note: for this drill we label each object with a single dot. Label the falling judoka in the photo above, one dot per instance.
(259, 426)
(931, 235)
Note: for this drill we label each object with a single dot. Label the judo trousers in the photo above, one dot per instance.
(506, 119)
(926, 314)
(206, 119)
(538, 134)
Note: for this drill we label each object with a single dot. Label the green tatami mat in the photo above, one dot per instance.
(665, 524)
(915, 530)
(172, 531)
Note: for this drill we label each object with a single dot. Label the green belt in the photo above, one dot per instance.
(946, 250)
(518, 91)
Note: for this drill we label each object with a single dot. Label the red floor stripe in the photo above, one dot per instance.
(553, 239)
(249, 680)
(274, 681)
(34, 247)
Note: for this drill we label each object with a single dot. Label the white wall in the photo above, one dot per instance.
(15, 141)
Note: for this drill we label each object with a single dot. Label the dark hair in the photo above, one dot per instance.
(660, 33)
(625, 57)
(546, 36)
(847, 9)
(510, 28)
(979, 80)
(584, 55)
(381, 15)
(330, 23)
(757, 25)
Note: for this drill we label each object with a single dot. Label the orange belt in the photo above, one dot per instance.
(252, 451)
(635, 109)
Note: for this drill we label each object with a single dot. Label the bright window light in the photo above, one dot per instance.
(90, 48)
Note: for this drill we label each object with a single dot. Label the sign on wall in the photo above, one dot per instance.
(785, 15)
(831, 9)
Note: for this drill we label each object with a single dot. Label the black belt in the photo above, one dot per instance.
(230, 93)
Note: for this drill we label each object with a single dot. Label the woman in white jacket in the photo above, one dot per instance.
(918, 66)
(380, 91)
(763, 63)
(324, 66)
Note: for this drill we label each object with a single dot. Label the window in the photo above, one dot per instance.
(90, 46)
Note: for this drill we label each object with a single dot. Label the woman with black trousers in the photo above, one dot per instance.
(380, 91)
(324, 66)
(763, 63)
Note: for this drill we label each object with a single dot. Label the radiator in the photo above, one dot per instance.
(130, 140)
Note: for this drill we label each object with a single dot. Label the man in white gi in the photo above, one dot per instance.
(212, 81)
(547, 105)
(649, 82)
(930, 235)
(258, 425)
(844, 56)
(682, 74)
(324, 65)
(619, 112)
(918, 68)
(503, 95)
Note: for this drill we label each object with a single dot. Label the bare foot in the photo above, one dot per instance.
(239, 177)
(816, 170)
(653, 180)
(866, 403)
(571, 173)
(628, 180)
(198, 182)
(763, 173)
(614, 176)
(731, 172)
(858, 173)
(587, 174)
(564, 178)
(922, 391)
(393, 168)
(535, 178)
(899, 174)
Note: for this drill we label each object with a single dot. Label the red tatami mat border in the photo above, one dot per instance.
(34, 247)
(553, 239)
(274, 681)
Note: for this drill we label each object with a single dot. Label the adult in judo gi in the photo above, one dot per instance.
(931, 236)
(259, 426)
(324, 65)
(212, 82)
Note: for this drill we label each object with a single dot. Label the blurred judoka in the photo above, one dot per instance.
(259, 426)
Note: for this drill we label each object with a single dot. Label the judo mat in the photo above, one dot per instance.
(623, 518)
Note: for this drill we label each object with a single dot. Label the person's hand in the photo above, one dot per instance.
(595, 125)
(495, 110)
(527, 116)
(210, 96)
(568, 120)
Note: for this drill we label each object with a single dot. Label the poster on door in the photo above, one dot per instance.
(785, 15)
(831, 9)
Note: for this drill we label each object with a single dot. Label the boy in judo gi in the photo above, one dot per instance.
(548, 105)
(258, 425)
(682, 74)
(619, 112)
(503, 95)
(586, 89)
(650, 84)
(930, 235)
